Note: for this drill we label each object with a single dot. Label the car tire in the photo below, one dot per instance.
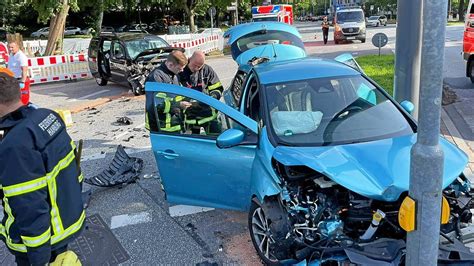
(471, 70)
(258, 224)
(362, 41)
(42, 36)
(376, 25)
(137, 91)
(101, 81)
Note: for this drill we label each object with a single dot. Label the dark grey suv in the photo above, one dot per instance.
(126, 58)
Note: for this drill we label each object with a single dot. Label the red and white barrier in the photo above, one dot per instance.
(56, 68)
(75, 66)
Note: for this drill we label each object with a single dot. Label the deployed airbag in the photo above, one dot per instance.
(287, 123)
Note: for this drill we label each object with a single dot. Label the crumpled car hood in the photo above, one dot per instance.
(157, 51)
(275, 52)
(378, 170)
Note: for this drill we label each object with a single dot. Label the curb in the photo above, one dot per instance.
(459, 141)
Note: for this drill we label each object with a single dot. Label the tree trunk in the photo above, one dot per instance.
(56, 29)
(99, 19)
(461, 10)
(190, 14)
(217, 21)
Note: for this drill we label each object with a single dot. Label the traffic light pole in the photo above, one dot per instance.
(427, 158)
(408, 52)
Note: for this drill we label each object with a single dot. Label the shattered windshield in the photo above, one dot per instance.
(135, 47)
(330, 111)
(350, 16)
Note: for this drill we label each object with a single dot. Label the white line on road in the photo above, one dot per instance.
(92, 94)
(182, 210)
(130, 219)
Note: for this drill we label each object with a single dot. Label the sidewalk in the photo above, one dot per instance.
(457, 124)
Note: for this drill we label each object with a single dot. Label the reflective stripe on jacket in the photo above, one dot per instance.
(40, 184)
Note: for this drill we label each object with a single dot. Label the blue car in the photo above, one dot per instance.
(313, 150)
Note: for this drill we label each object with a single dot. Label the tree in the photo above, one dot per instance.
(56, 12)
(461, 10)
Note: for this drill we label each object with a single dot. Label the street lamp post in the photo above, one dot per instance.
(427, 158)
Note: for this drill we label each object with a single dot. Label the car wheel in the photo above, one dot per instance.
(377, 24)
(101, 81)
(471, 70)
(261, 234)
(42, 36)
(362, 41)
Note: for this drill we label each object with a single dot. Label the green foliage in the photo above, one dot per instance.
(47, 8)
(379, 68)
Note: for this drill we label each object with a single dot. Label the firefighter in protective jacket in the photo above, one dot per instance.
(40, 182)
(201, 77)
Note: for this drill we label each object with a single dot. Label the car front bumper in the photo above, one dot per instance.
(339, 36)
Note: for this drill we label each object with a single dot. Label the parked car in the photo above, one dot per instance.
(126, 58)
(133, 28)
(72, 31)
(107, 29)
(87, 31)
(311, 148)
(41, 33)
(376, 21)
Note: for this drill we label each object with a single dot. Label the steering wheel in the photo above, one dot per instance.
(347, 111)
(335, 121)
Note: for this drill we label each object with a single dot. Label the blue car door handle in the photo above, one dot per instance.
(168, 154)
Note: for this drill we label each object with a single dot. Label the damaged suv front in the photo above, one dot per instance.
(341, 159)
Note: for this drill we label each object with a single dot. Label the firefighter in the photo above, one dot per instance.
(39, 179)
(201, 77)
(169, 111)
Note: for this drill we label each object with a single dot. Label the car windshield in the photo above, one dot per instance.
(135, 47)
(332, 111)
(350, 16)
(274, 18)
(373, 18)
(263, 37)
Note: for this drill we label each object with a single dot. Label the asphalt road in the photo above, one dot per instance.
(149, 229)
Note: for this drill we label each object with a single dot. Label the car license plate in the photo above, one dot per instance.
(351, 38)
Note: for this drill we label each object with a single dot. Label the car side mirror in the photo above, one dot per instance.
(230, 138)
(408, 106)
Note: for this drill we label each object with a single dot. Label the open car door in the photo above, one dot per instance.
(193, 170)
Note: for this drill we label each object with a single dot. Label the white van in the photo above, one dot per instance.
(349, 24)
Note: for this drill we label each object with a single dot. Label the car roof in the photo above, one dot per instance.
(301, 69)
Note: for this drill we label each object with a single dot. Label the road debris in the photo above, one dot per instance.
(122, 170)
(123, 121)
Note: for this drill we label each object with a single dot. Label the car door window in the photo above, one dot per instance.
(183, 116)
(237, 87)
(118, 51)
(106, 46)
(252, 101)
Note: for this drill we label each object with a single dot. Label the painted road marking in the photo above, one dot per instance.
(92, 94)
(130, 219)
(182, 210)
(127, 132)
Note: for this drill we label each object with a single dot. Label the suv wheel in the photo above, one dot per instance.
(101, 81)
(42, 36)
(471, 70)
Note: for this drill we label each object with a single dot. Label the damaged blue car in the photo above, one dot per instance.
(316, 153)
